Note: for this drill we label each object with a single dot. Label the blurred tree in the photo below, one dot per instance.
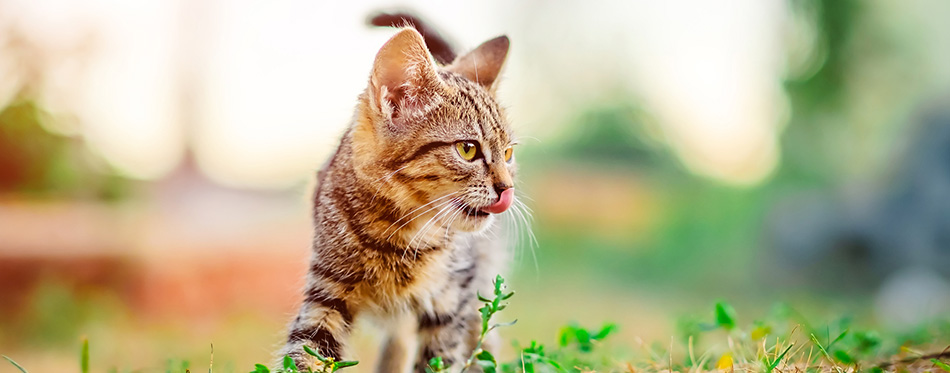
(616, 134)
(34, 160)
(816, 85)
(854, 76)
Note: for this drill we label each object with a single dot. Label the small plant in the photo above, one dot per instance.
(492, 306)
(725, 316)
(532, 359)
(329, 364)
(941, 365)
(436, 365)
(584, 338)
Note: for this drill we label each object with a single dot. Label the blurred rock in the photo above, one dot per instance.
(856, 237)
(911, 297)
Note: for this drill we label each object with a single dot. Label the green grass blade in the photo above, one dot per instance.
(344, 364)
(289, 365)
(941, 365)
(84, 356)
(821, 348)
(314, 353)
(14, 363)
(844, 357)
(840, 337)
(605, 331)
(774, 364)
(211, 363)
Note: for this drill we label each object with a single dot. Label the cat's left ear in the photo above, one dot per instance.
(483, 65)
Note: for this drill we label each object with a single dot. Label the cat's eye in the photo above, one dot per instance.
(467, 149)
(508, 153)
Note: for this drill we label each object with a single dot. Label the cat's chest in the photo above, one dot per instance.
(415, 283)
(409, 276)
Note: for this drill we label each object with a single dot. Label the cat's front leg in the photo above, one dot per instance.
(449, 336)
(399, 350)
(323, 324)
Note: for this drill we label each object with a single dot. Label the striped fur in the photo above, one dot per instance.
(397, 233)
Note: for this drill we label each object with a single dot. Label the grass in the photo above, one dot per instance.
(781, 341)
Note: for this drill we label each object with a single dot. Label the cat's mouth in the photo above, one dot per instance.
(503, 203)
(472, 211)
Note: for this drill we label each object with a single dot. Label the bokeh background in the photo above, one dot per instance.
(155, 158)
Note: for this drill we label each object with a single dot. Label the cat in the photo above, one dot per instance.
(405, 209)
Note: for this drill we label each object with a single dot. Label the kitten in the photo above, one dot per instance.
(402, 209)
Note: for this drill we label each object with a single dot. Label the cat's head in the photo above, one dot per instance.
(433, 138)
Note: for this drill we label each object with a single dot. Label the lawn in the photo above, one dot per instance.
(713, 339)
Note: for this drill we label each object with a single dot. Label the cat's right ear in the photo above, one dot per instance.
(404, 79)
(483, 65)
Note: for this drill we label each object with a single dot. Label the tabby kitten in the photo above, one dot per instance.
(402, 209)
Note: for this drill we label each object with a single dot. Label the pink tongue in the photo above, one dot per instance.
(504, 202)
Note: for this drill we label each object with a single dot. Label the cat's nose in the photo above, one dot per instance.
(501, 187)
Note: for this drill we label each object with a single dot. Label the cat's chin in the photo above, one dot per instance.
(473, 223)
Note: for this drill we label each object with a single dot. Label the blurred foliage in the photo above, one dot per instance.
(40, 163)
(702, 226)
(615, 133)
(821, 86)
(56, 314)
(40, 154)
(710, 236)
(846, 55)
(819, 89)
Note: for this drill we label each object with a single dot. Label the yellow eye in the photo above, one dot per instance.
(508, 153)
(467, 150)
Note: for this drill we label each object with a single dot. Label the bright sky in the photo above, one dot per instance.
(279, 79)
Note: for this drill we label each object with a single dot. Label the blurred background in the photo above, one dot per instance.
(156, 157)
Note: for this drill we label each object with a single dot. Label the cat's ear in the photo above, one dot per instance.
(404, 79)
(483, 64)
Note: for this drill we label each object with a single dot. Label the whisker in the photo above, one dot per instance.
(455, 216)
(441, 208)
(380, 187)
(518, 209)
(410, 213)
(447, 207)
(523, 195)
(457, 212)
(511, 228)
(527, 217)
(518, 140)
(409, 243)
(447, 222)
